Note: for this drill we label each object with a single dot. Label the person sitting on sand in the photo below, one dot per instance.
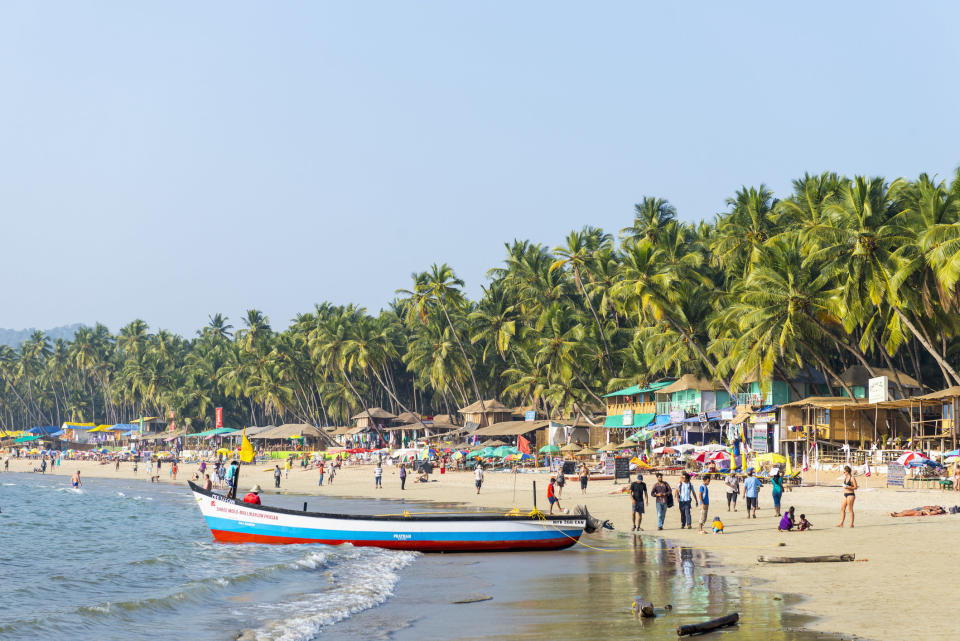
(717, 525)
(803, 525)
(786, 523)
(926, 510)
(253, 496)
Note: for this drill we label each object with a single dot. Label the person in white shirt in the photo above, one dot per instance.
(478, 475)
(378, 475)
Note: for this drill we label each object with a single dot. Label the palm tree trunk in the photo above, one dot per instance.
(896, 372)
(944, 365)
(833, 375)
(596, 319)
(702, 354)
(473, 379)
(394, 397)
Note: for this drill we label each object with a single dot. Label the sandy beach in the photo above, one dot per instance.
(900, 561)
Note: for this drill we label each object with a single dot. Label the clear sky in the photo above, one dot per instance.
(169, 160)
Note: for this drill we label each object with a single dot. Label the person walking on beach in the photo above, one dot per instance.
(686, 495)
(286, 469)
(378, 476)
(733, 490)
(561, 481)
(478, 476)
(776, 480)
(704, 502)
(276, 475)
(584, 478)
(661, 492)
(403, 476)
(751, 490)
(551, 495)
(117, 466)
(320, 477)
(849, 495)
(43, 465)
(638, 494)
(173, 470)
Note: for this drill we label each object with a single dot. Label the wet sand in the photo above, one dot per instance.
(899, 584)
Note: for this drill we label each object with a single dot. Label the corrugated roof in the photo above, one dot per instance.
(510, 428)
(636, 389)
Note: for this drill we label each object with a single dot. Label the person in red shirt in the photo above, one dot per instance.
(551, 495)
(253, 496)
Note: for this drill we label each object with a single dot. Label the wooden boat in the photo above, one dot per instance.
(233, 521)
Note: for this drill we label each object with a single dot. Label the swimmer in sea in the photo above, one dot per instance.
(75, 482)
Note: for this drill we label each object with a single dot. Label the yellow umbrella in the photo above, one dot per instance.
(570, 447)
(772, 458)
(587, 452)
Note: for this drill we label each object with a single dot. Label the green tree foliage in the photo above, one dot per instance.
(842, 271)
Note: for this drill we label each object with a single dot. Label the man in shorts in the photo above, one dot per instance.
(478, 476)
(638, 496)
(751, 489)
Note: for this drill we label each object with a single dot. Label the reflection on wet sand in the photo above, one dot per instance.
(588, 595)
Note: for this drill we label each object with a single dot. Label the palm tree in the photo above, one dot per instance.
(576, 254)
(440, 287)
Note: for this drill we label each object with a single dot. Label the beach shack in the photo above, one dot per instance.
(628, 410)
(486, 413)
(839, 422)
(779, 390)
(691, 394)
(898, 384)
(931, 417)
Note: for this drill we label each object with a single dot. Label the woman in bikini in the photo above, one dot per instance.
(849, 495)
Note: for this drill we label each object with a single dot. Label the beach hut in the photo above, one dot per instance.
(485, 413)
(373, 417)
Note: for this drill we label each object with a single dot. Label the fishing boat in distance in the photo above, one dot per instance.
(233, 521)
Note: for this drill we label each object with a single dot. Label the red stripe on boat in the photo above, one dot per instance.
(225, 536)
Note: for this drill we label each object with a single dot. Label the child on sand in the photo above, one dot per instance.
(804, 524)
(551, 494)
(717, 525)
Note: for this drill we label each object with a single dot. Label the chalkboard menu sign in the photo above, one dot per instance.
(569, 467)
(895, 474)
(621, 467)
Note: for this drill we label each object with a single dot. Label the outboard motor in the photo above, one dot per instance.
(592, 524)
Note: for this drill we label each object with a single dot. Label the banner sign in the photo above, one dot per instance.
(759, 441)
(896, 473)
(621, 468)
(530, 415)
(677, 416)
(878, 389)
(219, 414)
(627, 418)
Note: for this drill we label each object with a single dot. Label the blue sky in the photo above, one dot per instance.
(170, 160)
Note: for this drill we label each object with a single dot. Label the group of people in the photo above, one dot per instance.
(686, 498)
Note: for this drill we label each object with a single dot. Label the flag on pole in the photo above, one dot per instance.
(523, 445)
(246, 448)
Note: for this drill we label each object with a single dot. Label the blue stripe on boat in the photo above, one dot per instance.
(231, 525)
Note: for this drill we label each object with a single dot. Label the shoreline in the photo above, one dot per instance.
(832, 598)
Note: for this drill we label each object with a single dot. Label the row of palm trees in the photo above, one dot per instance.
(860, 271)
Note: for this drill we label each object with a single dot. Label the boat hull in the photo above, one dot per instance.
(237, 522)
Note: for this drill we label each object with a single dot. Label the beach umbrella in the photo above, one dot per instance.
(772, 458)
(587, 452)
(610, 447)
(951, 453)
(663, 449)
(921, 462)
(549, 449)
(570, 447)
(642, 435)
(701, 457)
(494, 443)
(715, 447)
(686, 447)
(504, 450)
(428, 452)
(908, 457)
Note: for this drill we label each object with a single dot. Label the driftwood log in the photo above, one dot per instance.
(707, 626)
(825, 558)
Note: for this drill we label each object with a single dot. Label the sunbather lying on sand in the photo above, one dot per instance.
(926, 510)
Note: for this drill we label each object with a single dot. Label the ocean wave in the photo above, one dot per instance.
(312, 561)
(364, 582)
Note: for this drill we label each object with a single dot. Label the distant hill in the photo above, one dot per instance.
(13, 337)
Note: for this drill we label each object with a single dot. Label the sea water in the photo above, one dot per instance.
(123, 559)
